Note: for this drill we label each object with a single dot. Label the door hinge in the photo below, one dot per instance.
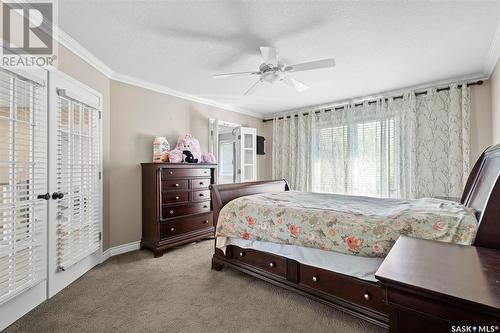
(100, 114)
(239, 171)
(239, 137)
(100, 235)
(100, 175)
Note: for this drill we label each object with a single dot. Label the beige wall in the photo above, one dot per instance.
(480, 119)
(137, 116)
(495, 103)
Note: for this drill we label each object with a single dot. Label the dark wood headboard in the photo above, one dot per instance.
(222, 194)
(482, 192)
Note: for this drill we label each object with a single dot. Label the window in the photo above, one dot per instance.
(356, 159)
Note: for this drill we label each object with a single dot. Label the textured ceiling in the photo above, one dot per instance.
(378, 46)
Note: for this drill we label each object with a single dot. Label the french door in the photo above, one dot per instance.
(246, 154)
(23, 187)
(75, 181)
(50, 186)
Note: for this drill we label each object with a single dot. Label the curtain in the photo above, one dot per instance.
(292, 150)
(409, 147)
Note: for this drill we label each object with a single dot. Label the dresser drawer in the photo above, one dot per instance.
(367, 294)
(200, 195)
(174, 197)
(184, 173)
(265, 261)
(187, 209)
(185, 225)
(176, 184)
(200, 183)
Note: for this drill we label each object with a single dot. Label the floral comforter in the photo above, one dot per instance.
(347, 224)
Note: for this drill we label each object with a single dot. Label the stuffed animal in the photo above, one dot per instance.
(187, 142)
(189, 157)
(175, 156)
(190, 147)
(208, 158)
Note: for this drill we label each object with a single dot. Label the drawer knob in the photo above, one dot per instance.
(242, 254)
(272, 264)
(205, 171)
(315, 278)
(176, 185)
(367, 296)
(205, 206)
(201, 183)
(176, 198)
(171, 212)
(172, 229)
(202, 195)
(205, 222)
(170, 173)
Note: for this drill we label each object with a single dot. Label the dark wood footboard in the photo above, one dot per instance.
(357, 297)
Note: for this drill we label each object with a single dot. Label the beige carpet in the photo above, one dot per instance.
(180, 293)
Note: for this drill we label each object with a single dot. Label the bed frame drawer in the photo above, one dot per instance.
(344, 287)
(265, 261)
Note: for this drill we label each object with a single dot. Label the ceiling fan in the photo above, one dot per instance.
(273, 70)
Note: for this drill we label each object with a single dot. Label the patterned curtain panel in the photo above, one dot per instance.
(415, 146)
(292, 150)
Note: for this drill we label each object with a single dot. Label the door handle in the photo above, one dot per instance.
(45, 196)
(57, 195)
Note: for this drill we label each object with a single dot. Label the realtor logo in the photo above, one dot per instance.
(27, 31)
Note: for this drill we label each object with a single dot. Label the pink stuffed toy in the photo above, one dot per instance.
(187, 142)
(208, 158)
(175, 156)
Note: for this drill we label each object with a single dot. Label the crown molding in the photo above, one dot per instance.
(382, 94)
(172, 92)
(71, 44)
(494, 53)
(75, 47)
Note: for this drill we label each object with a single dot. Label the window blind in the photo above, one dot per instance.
(78, 168)
(356, 158)
(23, 175)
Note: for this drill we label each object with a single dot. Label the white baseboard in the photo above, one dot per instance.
(120, 249)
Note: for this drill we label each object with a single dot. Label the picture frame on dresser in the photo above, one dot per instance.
(176, 204)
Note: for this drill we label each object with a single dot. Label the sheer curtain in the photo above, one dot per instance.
(408, 147)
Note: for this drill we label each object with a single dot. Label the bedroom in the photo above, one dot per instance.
(382, 118)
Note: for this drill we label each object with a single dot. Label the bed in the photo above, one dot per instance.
(338, 276)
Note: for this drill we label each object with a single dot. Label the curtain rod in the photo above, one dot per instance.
(480, 82)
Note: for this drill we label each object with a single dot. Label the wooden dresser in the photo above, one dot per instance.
(440, 287)
(176, 205)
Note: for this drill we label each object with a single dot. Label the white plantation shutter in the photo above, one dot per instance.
(78, 173)
(23, 176)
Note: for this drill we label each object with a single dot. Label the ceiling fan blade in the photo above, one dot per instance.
(252, 88)
(219, 76)
(269, 54)
(306, 66)
(297, 85)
